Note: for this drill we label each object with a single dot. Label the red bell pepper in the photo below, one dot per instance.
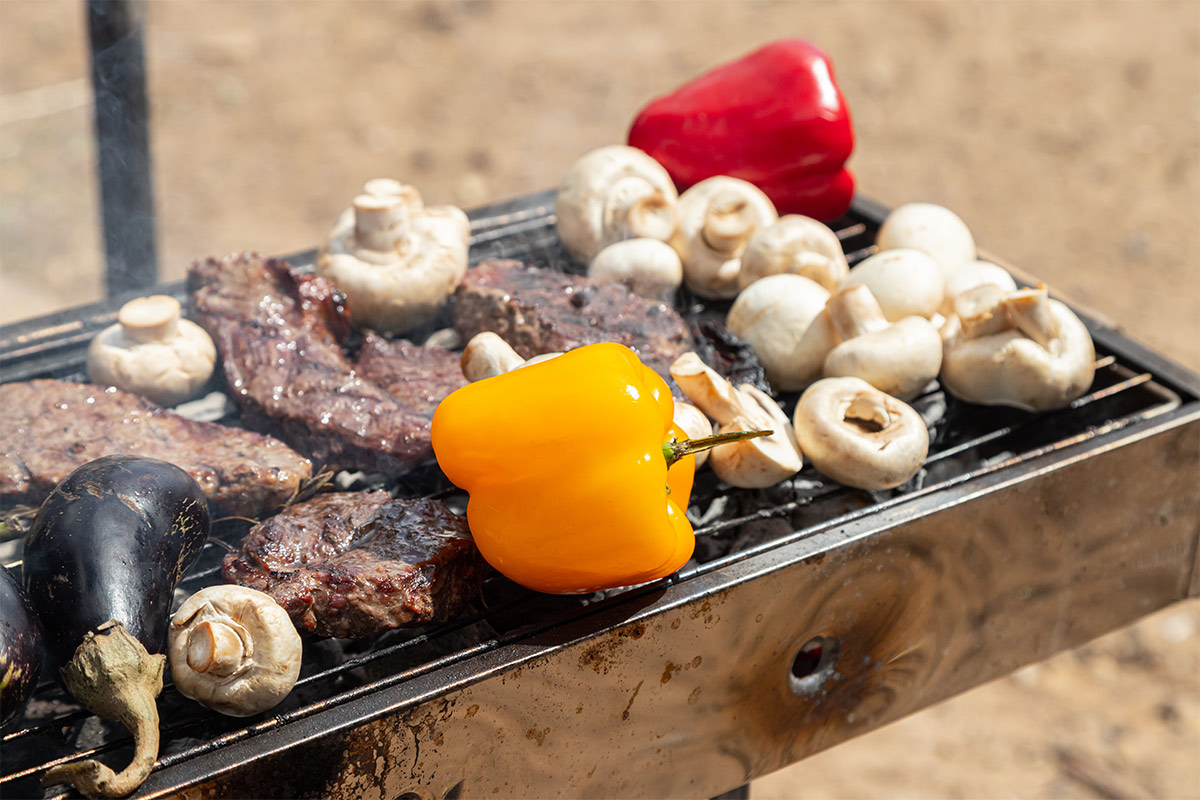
(775, 118)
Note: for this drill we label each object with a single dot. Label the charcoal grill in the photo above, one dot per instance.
(811, 614)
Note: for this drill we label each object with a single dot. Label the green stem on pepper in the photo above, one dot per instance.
(673, 451)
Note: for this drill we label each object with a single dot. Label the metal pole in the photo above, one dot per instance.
(123, 143)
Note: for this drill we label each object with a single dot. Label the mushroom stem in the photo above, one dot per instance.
(981, 311)
(113, 676)
(216, 648)
(1030, 313)
(729, 222)
(673, 451)
(636, 207)
(379, 221)
(868, 410)
(150, 319)
(854, 311)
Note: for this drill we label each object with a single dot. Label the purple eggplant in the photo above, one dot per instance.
(20, 648)
(102, 560)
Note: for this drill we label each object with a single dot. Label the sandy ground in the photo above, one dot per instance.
(1067, 134)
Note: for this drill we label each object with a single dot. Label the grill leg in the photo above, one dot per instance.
(123, 143)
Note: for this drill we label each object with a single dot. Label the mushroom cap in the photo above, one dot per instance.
(859, 436)
(934, 230)
(487, 355)
(613, 193)
(152, 352)
(971, 275)
(905, 282)
(796, 244)
(233, 649)
(899, 360)
(717, 218)
(649, 267)
(1008, 367)
(396, 259)
(780, 316)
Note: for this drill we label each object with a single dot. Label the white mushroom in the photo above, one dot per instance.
(614, 193)
(972, 274)
(752, 463)
(445, 338)
(905, 283)
(899, 358)
(539, 358)
(701, 384)
(487, 355)
(782, 318)
(233, 649)
(694, 424)
(396, 259)
(859, 436)
(649, 267)
(757, 463)
(796, 244)
(1018, 349)
(934, 230)
(153, 352)
(717, 218)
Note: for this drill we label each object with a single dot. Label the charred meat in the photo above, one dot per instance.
(354, 565)
(280, 334)
(540, 310)
(52, 427)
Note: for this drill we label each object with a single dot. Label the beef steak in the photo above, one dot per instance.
(51, 427)
(418, 377)
(353, 565)
(540, 310)
(280, 334)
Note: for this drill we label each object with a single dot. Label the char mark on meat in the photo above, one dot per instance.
(52, 427)
(542, 310)
(280, 335)
(355, 565)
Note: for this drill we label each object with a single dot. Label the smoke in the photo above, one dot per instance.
(117, 32)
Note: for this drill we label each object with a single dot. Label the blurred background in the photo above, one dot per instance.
(1066, 134)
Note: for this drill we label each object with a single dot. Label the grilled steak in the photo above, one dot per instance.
(542, 310)
(280, 336)
(418, 377)
(352, 565)
(51, 427)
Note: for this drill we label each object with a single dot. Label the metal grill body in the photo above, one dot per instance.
(812, 614)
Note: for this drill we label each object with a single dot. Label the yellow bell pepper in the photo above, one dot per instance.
(566, 463)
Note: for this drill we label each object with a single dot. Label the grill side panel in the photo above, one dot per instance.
(696, 689)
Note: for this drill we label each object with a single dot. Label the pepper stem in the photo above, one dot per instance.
(113, 676)
(673, 451)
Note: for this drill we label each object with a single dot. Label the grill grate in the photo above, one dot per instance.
(731, 525)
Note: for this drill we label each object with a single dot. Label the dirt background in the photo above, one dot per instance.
(1067, 135)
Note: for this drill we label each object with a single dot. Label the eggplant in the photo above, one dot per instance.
(102, 560)
(20, 648)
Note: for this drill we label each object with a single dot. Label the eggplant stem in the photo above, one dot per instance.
(113, 676)
(673, 451)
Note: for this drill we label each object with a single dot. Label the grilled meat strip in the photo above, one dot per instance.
(542, 310)
(353, 565)
(280, 336)
(51, 427)
(418, 377)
